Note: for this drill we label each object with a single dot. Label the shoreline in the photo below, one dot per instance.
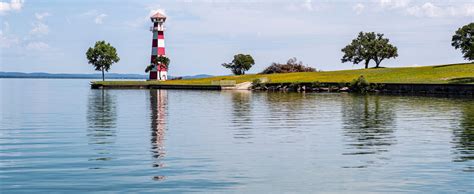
(440, 79)
(386, 88)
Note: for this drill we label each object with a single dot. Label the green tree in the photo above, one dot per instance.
(160, 61)
(464, 39)
(240, 64)
(369, 46)
(102, 56)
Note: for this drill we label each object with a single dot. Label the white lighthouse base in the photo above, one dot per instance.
(158, 75)
(163, 74)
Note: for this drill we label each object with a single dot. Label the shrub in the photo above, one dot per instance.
(257, 83)
(292, 65)
(360, 85)
(177, 78)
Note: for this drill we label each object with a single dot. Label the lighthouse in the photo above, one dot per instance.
(158, 72)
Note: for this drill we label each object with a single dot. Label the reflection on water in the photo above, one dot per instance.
(464, 137)
(285, 109)
(101, 118)
(61, 136)
(241, 118)
(369, 123)
(158, 104)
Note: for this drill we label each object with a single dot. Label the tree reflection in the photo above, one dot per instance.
(158, 105)
(101, 117)
(241, 114)
(369, 125)
(291, 106)
(464, 136)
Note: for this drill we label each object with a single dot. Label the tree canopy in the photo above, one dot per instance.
(240, 64)
(369, 46)
(463, 39)
(161, 61)
(102, 56)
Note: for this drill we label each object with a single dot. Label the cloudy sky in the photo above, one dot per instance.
(53, 35)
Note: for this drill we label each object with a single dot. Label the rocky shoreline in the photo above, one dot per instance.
(390, 88)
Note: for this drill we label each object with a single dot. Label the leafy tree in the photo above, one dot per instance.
(160, 61)
(369, 46)
(464, 39)
(149, 68)
(240, 64)
(102, 56)
(292, 65)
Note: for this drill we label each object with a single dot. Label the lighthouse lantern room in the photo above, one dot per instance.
(158, 72)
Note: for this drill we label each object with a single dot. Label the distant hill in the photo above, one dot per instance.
(84, 76)
(197, 76)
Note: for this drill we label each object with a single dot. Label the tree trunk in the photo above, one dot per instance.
(367, 64)
(377, 63)
(159, 74)
(103, 77)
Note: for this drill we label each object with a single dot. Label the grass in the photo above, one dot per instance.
(444, 74)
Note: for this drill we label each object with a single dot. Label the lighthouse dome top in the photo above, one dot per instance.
(158, 15)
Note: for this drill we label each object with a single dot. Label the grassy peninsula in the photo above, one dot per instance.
(440, 74)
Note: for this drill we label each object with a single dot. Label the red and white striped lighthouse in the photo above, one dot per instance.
(158, 47)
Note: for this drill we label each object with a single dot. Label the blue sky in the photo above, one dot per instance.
(53, 35)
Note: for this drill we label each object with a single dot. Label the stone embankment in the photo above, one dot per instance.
(393, 88)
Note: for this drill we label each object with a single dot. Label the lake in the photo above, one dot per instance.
(58, 135)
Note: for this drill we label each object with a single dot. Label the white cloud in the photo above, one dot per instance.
(308, 5)
(90, 13)
(37, 46)
(14, 5)
(426, 8)
(466, 10)
(39, 28)
(41, 16)
(431, 10)
(99, 19)
(7, 42)
(358, 8)
(393, 4)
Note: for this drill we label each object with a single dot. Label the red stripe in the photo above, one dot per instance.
(161, 51)
(154, 43)
(161, 35)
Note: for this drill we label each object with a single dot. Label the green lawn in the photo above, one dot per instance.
(452, 73)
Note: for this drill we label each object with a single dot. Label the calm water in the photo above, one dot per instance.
(59, 135)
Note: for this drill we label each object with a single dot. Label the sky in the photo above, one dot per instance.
(53, 35)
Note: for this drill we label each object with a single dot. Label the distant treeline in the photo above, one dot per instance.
(83, 76)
